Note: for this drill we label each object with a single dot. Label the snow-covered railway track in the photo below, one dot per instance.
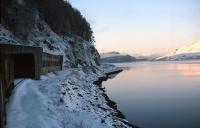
(18, 83)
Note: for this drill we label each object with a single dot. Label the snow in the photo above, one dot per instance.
(185, 56)
(186, 52)
(189, 48)
(7, 37)
(64, 99)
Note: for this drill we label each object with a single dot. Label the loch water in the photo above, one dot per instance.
(158, 94)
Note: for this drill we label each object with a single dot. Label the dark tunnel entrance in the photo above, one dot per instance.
(24, 66)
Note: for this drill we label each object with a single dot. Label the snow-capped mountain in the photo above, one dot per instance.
(186, 52)
(116, 57)
(189, 48)
(146, 58)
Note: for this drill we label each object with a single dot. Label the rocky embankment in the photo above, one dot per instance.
(110, 103)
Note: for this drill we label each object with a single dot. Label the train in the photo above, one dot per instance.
(18, 61)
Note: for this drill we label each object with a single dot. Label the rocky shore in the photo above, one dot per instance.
(111, 103)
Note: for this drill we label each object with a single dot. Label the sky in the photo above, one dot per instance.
(143, 27)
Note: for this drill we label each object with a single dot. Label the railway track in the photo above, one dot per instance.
(17, 84)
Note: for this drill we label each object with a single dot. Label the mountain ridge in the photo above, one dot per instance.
(189, 48)
(186, 52)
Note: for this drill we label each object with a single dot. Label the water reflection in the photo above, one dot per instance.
(158, 95)
(189, 70)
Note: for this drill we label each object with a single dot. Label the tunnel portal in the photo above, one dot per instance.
(23, 66)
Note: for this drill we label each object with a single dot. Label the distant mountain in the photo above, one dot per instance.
(109, 54)
(146, 58)
(186, 52)
(116, 57)
(190, 48)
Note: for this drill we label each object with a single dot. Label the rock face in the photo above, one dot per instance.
(23, 24)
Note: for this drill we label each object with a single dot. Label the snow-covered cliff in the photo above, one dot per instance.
(76, 51)
(24, 24)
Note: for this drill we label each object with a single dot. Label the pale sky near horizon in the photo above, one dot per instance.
(141, 26)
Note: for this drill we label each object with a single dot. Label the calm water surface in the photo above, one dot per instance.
(158, 94)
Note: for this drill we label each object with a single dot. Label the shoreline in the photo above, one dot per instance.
(110, 102)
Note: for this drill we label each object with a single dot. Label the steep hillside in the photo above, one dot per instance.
(53, 25)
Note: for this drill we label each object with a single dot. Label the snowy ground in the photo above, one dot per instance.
(64, 99)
